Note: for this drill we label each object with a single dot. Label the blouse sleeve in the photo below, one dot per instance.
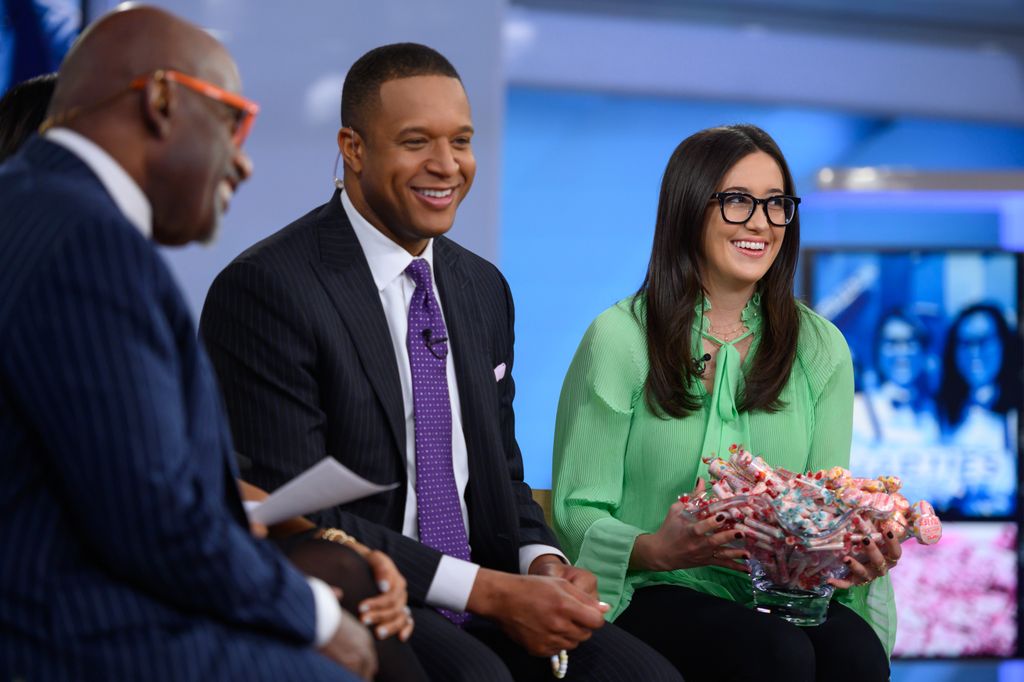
(595, 409)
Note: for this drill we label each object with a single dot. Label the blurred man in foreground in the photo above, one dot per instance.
(127, 554)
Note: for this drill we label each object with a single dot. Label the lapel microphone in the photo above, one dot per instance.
(698, 363)
(436, 343)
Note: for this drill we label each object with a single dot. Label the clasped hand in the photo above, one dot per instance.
(553, 608)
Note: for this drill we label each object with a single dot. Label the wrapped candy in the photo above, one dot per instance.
(798, 528)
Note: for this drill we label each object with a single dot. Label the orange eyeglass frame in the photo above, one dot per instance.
(247, 107)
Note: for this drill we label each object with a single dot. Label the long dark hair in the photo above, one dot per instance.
(953, 389)
(674, 284)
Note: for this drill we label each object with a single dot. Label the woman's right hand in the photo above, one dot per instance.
(683, 543)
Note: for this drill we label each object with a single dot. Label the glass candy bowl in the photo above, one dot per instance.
(790, 562)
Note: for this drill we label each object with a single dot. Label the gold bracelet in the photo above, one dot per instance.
(335, 535)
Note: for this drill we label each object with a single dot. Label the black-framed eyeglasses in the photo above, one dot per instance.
(738, 207)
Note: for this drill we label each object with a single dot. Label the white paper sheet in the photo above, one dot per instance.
(323, 485)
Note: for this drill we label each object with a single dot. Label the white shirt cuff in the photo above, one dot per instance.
(452, 584)
(328, 611)
(527, 553)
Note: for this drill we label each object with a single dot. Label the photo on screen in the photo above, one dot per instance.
(958, 598)
(937, 363)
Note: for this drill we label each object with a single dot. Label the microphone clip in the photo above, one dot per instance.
(700, 364)
(437, 345)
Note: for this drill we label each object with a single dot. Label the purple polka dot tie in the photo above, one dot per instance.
(437, 497)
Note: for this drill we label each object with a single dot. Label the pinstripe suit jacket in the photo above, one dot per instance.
(124, 553)
(298, 337)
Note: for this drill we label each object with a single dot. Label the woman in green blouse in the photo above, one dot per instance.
(713, 350)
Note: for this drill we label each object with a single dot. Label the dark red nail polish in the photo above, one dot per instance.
(890, 535)
(720, 518)
(867, 541)
(846, 560)
(738, 536)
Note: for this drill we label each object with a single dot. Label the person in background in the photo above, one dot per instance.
(978, 399)
(901, 407)
(22, 109)
(127, 553)
(713, 350)
(361, 332)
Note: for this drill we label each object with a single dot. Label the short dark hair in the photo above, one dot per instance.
(674, 285)
(380, 65)
(22, 110)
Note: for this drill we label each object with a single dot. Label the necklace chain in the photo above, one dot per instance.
(727, 334)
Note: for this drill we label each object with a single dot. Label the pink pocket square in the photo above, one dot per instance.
(499, 372)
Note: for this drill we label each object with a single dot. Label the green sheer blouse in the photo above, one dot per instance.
(618, 467)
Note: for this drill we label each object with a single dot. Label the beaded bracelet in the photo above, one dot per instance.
(560, 664)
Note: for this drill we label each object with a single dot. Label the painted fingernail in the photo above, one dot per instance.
(746, 556)
(720, 518)
(382, 632)
(364, 607)
(867, 541)
(737, 535)
(384, 585)
(890, 535)
(846, 560)
(367, 620)
(407, 610)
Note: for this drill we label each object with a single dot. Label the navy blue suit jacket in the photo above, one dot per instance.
(125, 551)
(298, 336)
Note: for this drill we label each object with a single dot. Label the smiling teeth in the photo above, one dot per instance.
(435, 193)
(754, 246)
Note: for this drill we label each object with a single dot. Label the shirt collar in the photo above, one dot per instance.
(125, 192)
(387, 259)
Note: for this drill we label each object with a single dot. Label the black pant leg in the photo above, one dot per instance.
(708, 638)
(846, 648)
(610, 655)
(451, 654)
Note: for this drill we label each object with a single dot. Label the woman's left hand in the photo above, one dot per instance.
(877, 560)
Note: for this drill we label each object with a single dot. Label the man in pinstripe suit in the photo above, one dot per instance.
(126, 553)
(312, 334)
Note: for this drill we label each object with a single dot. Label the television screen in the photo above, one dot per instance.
(937, 363)
(34, 37)
(958, 598)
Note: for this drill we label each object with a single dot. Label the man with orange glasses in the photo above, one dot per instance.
(126, 552)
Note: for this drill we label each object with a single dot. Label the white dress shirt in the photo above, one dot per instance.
(453, 581)
(133, 203)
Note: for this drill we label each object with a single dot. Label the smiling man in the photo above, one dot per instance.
(361, 332)
(126, 551)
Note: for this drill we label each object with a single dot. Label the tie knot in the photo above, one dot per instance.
(419, 270)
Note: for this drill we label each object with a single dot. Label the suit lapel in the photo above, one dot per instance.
(345, 274)
(462, 318)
